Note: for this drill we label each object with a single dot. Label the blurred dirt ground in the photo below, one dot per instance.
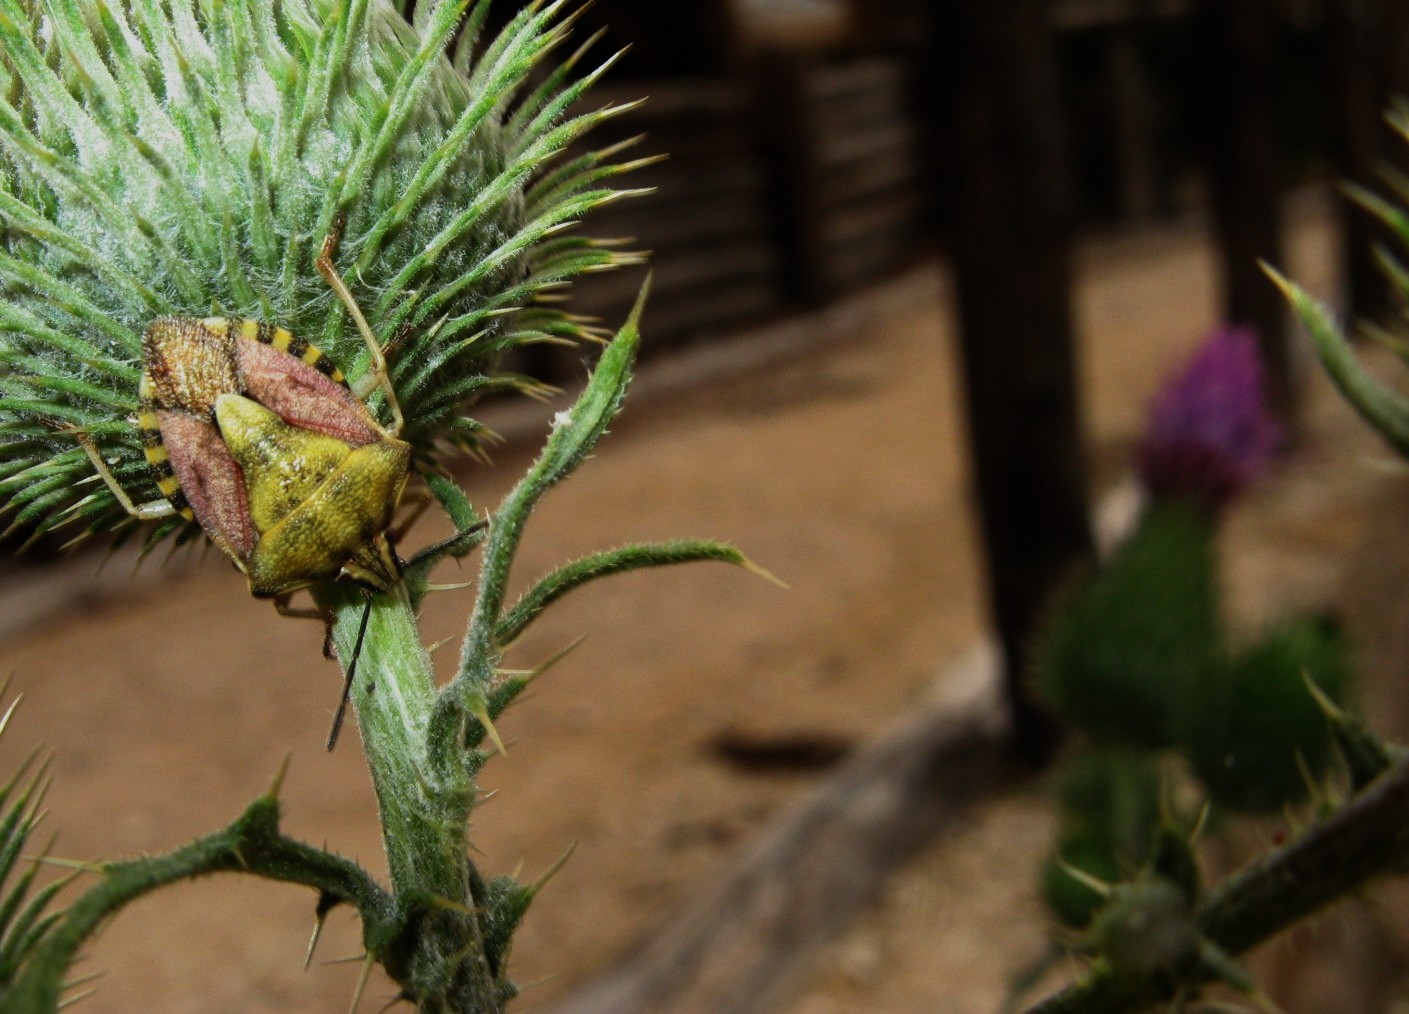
(169, 698)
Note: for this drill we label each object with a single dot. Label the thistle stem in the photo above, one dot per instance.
(439, 958)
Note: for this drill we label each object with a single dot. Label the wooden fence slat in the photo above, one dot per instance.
(836, 81)
(878, 140)
(660, 227)
(718, 207)
(873, 179)
(894, 215)
(683, 268)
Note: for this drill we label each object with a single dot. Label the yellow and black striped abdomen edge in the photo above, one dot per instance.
(280, 340)
(157, 455)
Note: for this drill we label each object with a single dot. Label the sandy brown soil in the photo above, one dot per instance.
(169, 700)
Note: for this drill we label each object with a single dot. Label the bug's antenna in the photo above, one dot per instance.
(351, 672)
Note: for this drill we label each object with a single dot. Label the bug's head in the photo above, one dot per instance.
(188, 366)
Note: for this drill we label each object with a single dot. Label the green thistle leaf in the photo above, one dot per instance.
(25, 914)
(1384, 409)
(189, 158)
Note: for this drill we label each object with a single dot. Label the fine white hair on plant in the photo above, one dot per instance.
(188, 157)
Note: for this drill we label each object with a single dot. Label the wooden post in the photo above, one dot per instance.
(1396, 48)
(1234, 71)
(1360, 68)
(1136, 149)
(999, 159)
(787, 142)
(884, 26)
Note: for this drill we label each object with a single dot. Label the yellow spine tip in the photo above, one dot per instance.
(481, 713)
(277, 785)
(763, 572)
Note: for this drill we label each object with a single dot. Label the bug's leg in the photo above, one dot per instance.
(351, 672)
(325, 616)
(457, 545)
(143, 512)
(377, 376)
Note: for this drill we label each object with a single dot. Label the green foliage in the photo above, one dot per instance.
(1145, 929)
(26, 919)
(1255, 735)
(442, 931)
(1384, 408)
(253, 843)
(1121, 649)
(1366, 756)
(1134, 657)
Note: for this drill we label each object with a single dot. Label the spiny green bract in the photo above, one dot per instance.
(1110, 810)
(188, 157)
(1121, 649)
(1254, 732)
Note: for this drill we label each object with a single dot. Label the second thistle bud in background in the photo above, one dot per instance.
(1124, 649)
(1210, 432)
(1138, 659)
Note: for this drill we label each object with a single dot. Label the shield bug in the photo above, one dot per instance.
(255, 434)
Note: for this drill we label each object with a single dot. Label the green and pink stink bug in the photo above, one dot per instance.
(255, 434)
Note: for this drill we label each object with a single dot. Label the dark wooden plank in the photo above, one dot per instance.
(861, 109)
(879, 139)
(1236, 101)
(706, 313)
(1358, 72)
(787, 136)
(1071, 15)
(687, 315)
(860, 112)
(869, 259)
(681, 180)
(835, 82)
(671, 99)
(694, 292)
(680, 269)
(663, 225)
(870, 179)
(894, 214)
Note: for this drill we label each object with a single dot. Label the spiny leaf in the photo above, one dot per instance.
(575, 432)
(25, 916)
(613, 561)
(1383, 409)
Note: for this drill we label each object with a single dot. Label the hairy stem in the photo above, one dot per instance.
(392, 697)
(252, 844)
(439, 955)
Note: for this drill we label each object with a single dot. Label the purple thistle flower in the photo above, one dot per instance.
(1211, 433)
